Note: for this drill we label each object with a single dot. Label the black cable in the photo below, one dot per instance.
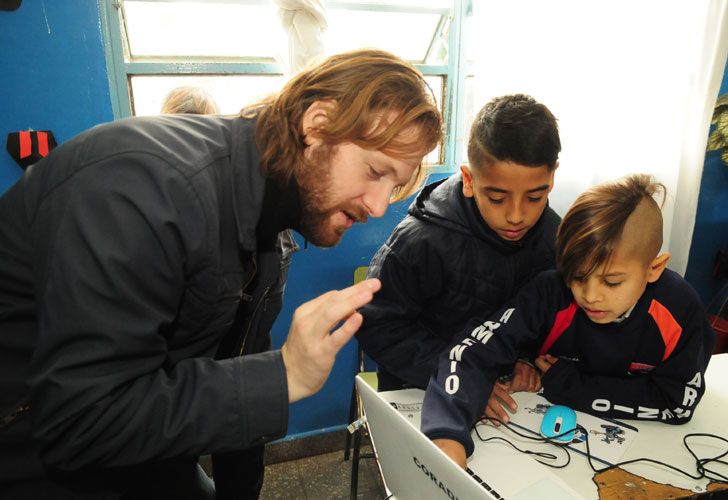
(700, 463)
(702, 471)
(541, 454)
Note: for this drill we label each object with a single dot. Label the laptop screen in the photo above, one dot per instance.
(412, 466)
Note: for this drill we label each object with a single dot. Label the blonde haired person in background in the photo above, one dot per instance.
(189, 100)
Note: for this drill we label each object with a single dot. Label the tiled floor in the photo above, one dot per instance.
(325, 476)
(313, 468)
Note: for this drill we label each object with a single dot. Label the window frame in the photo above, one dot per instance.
(120, 71)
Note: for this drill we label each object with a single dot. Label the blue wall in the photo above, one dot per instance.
(53, 76)
(52, 73)
(711, 225)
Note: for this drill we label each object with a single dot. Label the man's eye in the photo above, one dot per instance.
(535, 199)
(374, 173)
(495, 201)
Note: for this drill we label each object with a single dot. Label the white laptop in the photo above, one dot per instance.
(413, 467)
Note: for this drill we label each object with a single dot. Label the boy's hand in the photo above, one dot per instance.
(498, 398)
(545, 361)
(454, 450)
(525, 378)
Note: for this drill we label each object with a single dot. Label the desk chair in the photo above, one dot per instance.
(356, 410)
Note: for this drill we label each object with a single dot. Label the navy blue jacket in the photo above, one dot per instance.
(441, 266)
(649, 366)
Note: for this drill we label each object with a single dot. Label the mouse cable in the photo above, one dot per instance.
(703, 471)
(541, 454)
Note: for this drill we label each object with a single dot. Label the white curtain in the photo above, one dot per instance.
(632, 84)
(304, 22)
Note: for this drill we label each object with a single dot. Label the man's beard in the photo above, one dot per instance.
(314, 187)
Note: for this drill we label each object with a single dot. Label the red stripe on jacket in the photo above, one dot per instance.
(669, 328)
(561, 323)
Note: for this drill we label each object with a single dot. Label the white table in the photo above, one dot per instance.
(498, 464)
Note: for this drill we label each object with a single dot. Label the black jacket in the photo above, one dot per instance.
(441, 266)
(649, 366)
(124, 256)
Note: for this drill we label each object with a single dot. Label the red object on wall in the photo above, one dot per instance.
(9, 4)
(29, 146)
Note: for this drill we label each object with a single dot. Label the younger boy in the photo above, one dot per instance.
(620, 335)
(468, 244)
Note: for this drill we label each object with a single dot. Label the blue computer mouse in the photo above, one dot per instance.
(557, 420)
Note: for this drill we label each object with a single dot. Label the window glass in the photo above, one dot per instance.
(437, 85)
(404, 4)
(623, 103)
(409, 35)
(468, 115)
(202, 29)
(231, 92)
(210, 29)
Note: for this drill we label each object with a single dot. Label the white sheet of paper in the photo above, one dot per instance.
(608, 439)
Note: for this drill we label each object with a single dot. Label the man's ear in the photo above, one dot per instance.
(657, 265)
(314, 117)
(467, 181)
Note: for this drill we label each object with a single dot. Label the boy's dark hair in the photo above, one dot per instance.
(514, 128)
(595, 224)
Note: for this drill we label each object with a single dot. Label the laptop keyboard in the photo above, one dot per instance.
(483, 484)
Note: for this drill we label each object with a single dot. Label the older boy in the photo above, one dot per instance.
(468, 244)
(620, 335)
